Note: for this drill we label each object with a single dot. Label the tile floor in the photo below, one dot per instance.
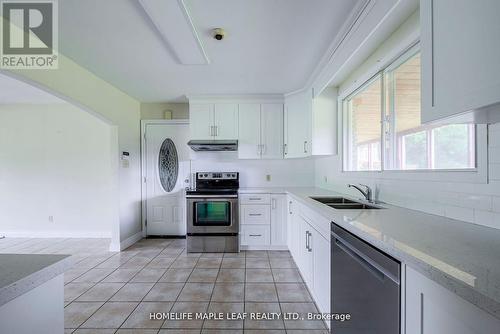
(109, 292)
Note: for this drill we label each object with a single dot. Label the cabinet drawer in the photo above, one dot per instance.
(255, 214)
(255, 199)
(255, 235)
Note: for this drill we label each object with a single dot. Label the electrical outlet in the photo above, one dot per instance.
(268, 177)
(51, 219)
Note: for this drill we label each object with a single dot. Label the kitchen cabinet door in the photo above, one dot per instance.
(321, 270)
(272, 131)
(433, 309)
(305, 253)
(460, 56)
(294, 230)
(278, 220)
(201, 121)
(249, 131)
(298, 114)
(226, 121)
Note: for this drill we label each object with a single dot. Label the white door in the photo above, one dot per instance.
(249, 131)
(202, 123)
(226, 121)
(165, 194)
(272, 131)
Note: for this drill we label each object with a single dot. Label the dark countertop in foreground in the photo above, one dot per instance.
(19, 273)
(460, 256)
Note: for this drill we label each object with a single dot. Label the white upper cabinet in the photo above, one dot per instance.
(201, 121)
(298, 115)
(249, 131)
(271, 130)
(324, 122)
(260, 131)
(213, 121)
(226, 121)
(460, 58)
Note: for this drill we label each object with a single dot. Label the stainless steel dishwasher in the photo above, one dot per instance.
(365, 283)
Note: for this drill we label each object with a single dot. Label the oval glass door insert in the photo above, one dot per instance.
(168, 165)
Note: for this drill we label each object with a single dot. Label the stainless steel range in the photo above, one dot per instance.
(212, 213)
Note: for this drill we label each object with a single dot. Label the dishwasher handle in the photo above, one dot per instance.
(364, 260)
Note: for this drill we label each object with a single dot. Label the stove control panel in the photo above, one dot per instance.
(217, 175)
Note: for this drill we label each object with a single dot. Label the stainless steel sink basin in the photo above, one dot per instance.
(344, 203)
(333, 200)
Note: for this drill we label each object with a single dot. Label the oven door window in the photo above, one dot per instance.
(216, 213)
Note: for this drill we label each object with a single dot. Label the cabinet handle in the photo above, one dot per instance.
(305, 147)
(263, 150)
(217, 131)
(211, 129)
(273, 203)
(255, 235)
(290, 207)
(254, 198)
(285, 149)
(259, 152)
(255, 214)
(309, 241)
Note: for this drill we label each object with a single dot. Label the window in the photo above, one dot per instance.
(388, 107)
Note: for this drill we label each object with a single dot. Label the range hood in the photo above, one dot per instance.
(213, 145)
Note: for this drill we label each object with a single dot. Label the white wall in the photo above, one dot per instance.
(289, 172)
(477, 201)
(54, 161)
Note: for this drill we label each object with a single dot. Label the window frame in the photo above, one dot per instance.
(478, 174)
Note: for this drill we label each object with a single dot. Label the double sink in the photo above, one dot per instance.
(344, 203)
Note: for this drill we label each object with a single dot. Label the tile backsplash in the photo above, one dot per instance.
(472, 202)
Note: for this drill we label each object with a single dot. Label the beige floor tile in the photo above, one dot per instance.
(164, 292)
(264, 308)
(140, 318)
(257, 263)
(175, 275)
(161, 262)
(231, 275)
(120, 276)
(225, 309)
(132, 292)
(77, 313)
(212, 255)
(110, 315)
(287, 276)
(184, 262)
(202, 275)
(93, 275)
(281, 262)
(293, 292)
(302, 309)
(281, 253)
(100, 292)
(260, 292)
(233, 262)
(136, 331)
(74, 290)
(221, 331)
(209, 262)
(196, 292)
(94, 331)
(228, 292)
(256, 254)
(186, 307)
(259, 275)
(148, 275)
(179, 331)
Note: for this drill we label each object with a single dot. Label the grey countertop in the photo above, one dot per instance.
(19, 273)
(460, 256)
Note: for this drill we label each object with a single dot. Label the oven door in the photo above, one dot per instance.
(212, 215)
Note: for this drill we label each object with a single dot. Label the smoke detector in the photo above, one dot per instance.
(218, 33)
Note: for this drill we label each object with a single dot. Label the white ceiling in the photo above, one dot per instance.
(13, 91)
(272, 46)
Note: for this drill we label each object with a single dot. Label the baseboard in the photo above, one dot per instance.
(55, 234)
(264, 247)
(130, 241)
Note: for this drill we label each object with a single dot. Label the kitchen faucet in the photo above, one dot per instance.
(367, 193)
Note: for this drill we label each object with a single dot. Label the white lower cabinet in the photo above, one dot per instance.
(321, 270)
(255, 235)
(432, 309)
(263, 220)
